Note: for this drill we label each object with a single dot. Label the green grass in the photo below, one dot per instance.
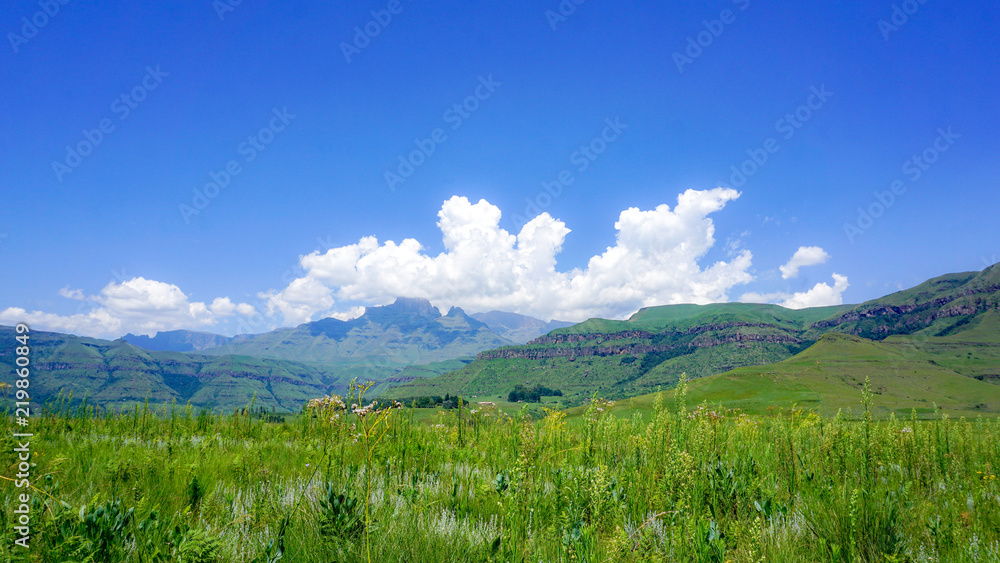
(663, 484)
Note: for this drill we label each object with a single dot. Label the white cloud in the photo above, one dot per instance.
(752, 297)
(68, 293)
(137, 305)
(655, 261)
(820, 295)
(246, 309)
(352, 313)
(804, 256)
(94, 323)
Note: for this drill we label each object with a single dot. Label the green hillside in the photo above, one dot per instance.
(937, 307)
(904, 374)
(115, 374)
(635, 356)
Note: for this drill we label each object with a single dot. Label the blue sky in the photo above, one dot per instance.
(696, 88)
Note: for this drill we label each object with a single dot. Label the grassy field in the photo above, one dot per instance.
(673, 483)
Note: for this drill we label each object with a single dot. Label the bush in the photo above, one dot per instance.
(532, 394)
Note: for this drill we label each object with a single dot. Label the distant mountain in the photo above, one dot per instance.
(117, 374)
(387, 345)
(177, 340)
(409, 331)
(954, 315)
(517, 328)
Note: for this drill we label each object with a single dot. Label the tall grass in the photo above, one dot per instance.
(699, 484)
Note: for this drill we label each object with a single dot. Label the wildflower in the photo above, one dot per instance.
(363, 411)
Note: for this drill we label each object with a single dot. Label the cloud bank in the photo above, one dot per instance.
(821, 295)
(137, 305)
(655, 261)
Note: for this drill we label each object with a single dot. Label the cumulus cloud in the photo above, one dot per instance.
(804, 256)
(352, 313)
(137, 305)
(821, 295)
(752, 297)
(655, 261)
(246, 309)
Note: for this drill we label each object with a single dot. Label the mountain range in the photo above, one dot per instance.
(407, 332)
(177, 341)
(511, 327)
(391, 344)
(118, 374)
(948, 317)
(409, 349)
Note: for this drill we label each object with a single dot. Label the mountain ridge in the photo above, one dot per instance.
(952, 320)
(177, 340)
(656, 344)
(518, 328)
(408, 331)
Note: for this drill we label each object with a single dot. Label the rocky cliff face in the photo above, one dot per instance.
(878, 320)
(702, 336)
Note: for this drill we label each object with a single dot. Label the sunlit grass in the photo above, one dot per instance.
(676, 482)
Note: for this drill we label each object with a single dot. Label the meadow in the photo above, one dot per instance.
(676, 482)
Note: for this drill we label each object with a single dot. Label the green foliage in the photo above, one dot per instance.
(710, 543)
(95, 533)
(531, 394)
(340, 516)
(198, 546)
(195, 492)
